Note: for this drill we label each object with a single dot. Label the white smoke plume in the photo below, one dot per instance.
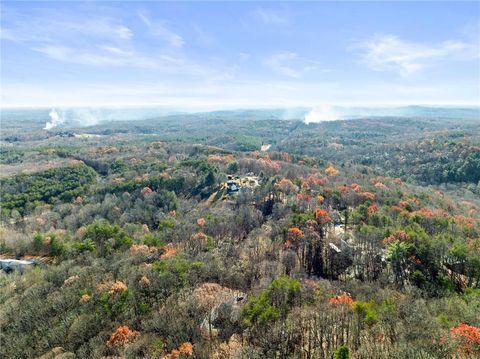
(87, 117)
(55, 120)
(321, 114)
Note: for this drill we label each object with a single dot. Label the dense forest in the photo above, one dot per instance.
(241, 235)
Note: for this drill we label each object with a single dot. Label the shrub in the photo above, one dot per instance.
(107, 237)
(272, 303)
(342, 352)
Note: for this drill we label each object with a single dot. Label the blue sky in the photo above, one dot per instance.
(245, 54)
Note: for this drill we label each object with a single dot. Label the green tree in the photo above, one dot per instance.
(274, 302)
(397, 254)
(233, 167)
(342, 352)
(107, 237)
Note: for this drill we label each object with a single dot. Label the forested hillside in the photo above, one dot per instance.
(218, 236)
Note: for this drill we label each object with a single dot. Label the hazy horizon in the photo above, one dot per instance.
(66, 117)
(220, 107)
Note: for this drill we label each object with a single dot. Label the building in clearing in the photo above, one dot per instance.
(235, 184)
(11, 265)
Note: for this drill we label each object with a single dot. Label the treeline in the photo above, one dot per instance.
(24, 192)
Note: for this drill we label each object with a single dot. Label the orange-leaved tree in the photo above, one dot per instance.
(294, 235)
(184, 350)
(322, 216)
(468, 338)
(373, 208)
(121, 337)
(341, 299)
(331, 171)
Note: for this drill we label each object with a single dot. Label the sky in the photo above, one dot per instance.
(239, 54)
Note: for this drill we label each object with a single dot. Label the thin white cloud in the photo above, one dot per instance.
(99, 40)
(116, 50)
(103, 56)
(160, 30)
(106, 55)
(291, 65)
(8, 34)
(244, 56)
(390, 53)
(27, 29)
(202, 37)
(97, 27)
(271, 16)
(281, 63)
